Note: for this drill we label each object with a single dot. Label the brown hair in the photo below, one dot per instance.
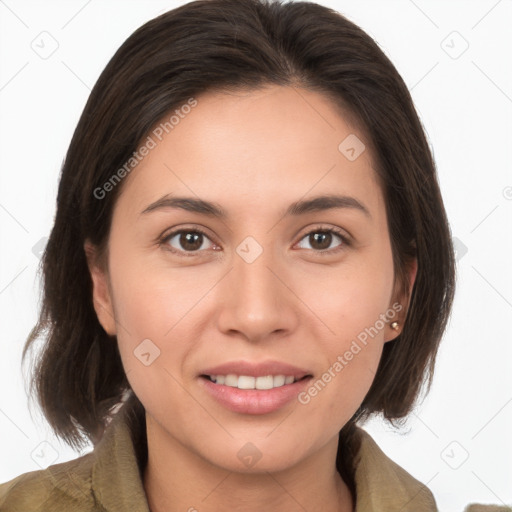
(231, 44)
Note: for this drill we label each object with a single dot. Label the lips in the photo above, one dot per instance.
(259, 401)
(256, 369)
(254, 401)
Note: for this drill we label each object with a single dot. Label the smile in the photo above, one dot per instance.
(250, 382)
(234, 396)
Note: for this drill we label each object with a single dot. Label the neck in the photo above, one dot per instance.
(179, 479)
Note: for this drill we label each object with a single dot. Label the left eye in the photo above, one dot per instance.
(321, 239)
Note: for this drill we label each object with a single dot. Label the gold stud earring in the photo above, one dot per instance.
(394, 326)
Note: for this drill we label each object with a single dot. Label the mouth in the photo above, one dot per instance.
(257, 388)
(250, 395)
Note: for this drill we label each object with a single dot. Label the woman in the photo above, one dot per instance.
(250, 256)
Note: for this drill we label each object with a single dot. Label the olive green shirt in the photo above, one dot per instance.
(108, 479)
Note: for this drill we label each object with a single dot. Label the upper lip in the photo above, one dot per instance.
(256, 369)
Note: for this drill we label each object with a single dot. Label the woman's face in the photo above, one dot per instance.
(266, 282)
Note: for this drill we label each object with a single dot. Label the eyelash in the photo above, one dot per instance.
(326, 252)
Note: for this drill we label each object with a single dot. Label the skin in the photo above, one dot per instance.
(253, 153)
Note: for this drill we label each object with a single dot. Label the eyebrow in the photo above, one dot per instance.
(211, 209)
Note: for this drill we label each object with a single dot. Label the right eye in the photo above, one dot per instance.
(185, 241)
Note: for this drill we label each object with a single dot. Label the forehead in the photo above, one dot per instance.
(256, 147)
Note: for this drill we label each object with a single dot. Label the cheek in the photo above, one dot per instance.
(158, 312)
(153, 301)
(353, 298)
(151, 349)
(354, 306)
(352, 352)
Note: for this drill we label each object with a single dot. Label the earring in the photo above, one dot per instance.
(394, 325)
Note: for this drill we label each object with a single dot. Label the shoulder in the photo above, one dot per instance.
(476, 507)
(384, 485)
(60, 487)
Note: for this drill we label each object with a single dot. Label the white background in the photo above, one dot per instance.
(458, 440)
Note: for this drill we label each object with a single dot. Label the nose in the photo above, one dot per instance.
(257, 302)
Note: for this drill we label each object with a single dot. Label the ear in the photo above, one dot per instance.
(400, 302)
(101, 295)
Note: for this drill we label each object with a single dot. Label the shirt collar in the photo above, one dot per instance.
(384, 486)
(116, 476)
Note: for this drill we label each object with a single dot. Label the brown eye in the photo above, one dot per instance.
(186, 240)
(321, 240)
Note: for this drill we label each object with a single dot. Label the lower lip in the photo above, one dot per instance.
(254, 401)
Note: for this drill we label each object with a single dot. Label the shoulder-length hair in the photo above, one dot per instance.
(216, 45)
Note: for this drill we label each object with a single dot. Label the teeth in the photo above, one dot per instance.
(248, 382)
(231, 380)
(279, 380)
